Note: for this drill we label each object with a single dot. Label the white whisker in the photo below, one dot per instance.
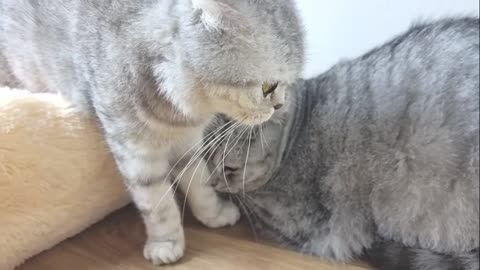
(248, 215)
(198, 152)
(188, 187)
(237, 138)
(223, 160)
(201, 141)
(205, 151)
(262, 133)
(246, 159)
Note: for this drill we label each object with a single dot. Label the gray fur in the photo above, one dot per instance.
(154, 72)
(382, 156)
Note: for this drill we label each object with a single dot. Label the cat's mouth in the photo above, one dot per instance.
(253, 119)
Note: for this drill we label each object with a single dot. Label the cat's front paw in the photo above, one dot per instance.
(226, 214)
(166, 252)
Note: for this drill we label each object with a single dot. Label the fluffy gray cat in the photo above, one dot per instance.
(378, 157)
(154, 72)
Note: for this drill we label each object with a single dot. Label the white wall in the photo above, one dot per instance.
(347, 28)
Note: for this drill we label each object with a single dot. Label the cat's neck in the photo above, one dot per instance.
(306, 95)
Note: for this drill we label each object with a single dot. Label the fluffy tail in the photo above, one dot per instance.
(395, 256)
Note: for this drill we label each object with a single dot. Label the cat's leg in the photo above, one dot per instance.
(144, 167)
(204, 202)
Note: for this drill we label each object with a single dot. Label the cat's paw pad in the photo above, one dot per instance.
(163, 252)
(227, 215)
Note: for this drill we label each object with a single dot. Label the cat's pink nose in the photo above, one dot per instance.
(278, 106)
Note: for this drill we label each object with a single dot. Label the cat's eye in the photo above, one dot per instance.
(268, 88)
(228, 169)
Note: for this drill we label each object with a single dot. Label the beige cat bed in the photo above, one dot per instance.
(56, 177)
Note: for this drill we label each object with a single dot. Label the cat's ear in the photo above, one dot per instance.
(214, 14)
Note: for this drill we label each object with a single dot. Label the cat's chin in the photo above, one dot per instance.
(253, 120)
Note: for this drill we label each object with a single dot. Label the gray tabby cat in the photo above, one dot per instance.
(154, 72)
(377, 159)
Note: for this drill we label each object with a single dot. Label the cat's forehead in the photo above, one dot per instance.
(263, 43)
(250, 65)
(245, 80)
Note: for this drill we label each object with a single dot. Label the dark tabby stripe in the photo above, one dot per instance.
(389, 255)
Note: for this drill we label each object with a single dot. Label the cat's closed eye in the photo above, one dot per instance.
(229, 169)
(269, 88)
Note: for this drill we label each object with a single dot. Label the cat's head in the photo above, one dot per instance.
(245, 158)
(240, 55)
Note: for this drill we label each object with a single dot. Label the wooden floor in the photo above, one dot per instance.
(116, 244)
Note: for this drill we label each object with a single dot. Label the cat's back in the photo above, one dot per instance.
(57, 45)
(424, 92)
(399, 130)
(36, 40)
(424, 127)
(425, 81)
(428, 75)
(437, 60)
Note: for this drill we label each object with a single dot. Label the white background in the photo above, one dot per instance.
(347, 28)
